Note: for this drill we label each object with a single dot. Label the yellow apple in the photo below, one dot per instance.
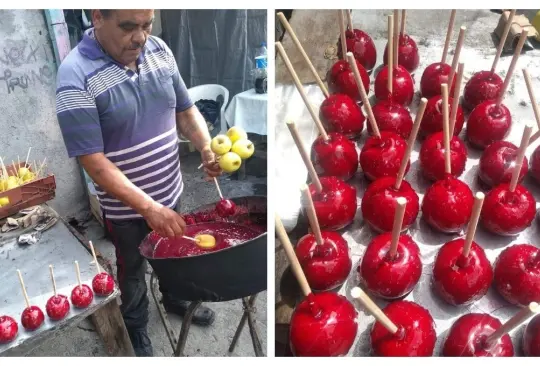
(205, 241)
(3, 185)
(221, 144)
(28, 177)
(4, 201)
(23, 171)
(236, 133)
(244, 148)
(230, 162)
(12, 182)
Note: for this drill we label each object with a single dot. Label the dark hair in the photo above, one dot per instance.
(105, 12)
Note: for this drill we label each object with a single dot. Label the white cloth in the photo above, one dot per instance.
(248, 111)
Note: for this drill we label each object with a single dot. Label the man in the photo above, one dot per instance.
(121, 103)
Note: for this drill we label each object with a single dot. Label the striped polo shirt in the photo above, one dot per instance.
(103, 106)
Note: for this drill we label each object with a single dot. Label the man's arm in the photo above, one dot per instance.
(192, 125)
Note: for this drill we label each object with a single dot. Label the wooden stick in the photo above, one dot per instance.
(520, 157)
(23, 289)
(52, 279)
(342, 33)
(16, 170)
(455, 99)
(312, 215)
(291, 256)
(390, 53)
(473, 223)
(396, 38)
(530, 89)
(95, 257)
(302, 92)
(503, 40)
(217, 187)
(296, 41)
(446, 132)
(363, 94)
(4, 170)
(398, 224)
(78, 272)
(305, 156)
(349, 20)
(403, 18)
(410, 143)
(41, 167)
(448, 35)
(455, 59)
(513, 63)
(373, 309)
(513, 323)
(190, 238)
(27, 156)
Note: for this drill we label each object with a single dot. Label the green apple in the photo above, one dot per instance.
(230, 162)
(244, 148)
(23, 171)
(28, 177)
(12, 182)
(221, 144)
(236, 133)
(4, 201)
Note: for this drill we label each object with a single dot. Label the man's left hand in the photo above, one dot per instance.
(210, 165)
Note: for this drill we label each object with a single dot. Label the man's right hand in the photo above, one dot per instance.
(164, 221)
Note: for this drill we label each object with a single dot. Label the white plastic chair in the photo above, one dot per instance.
(212, 91)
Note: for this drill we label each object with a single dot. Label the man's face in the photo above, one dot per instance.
(123, 33)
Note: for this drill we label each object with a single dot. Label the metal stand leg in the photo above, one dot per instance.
(248, 310)
(162, 312)
(186, 323)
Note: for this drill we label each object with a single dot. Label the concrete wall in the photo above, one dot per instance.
(27, 104)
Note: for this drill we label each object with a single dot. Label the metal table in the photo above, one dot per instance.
(60, 246)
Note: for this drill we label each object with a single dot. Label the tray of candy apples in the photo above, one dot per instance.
(15, 328)
(422, 239)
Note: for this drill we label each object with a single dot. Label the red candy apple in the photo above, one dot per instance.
(531, 338)
(433, 77)
(447, 205)
(8, 329)
(103, 284)
(508, 213)
(381, 156)
(335, 205)
(224, 208)
(81, 296)
(408, 55)
(481, 87)
(535, 164)
(32, 317)
(390, 277)
(432, 157)
(392, 117)
(517, 274)
(416, 334)
(57, 307)
(323, 325)
(379, 204)
(362, 47)
(487, 123)
(467, 338)
(459, 280)
(497, 164)
(402, 86)
(335, 157)
(433, 118)
(340, 113)
(326, 266)
(341, 79)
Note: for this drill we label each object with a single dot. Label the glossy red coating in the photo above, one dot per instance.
(402, 86)
(243, 215)
(57, 307)
(459, 280)
(392, 117)
(225, 208)
(508, 213)
(386, 277)
(32, 317)
(335, 206)
(335, 157)
(81, 296)
(381, 156)
(481, 87)
(379, 204)
(467, 338)
(497, 164)
(531, 338)
(326, 266)
(340, 113)
(341, 79)
(103, 284)
(362, 47)
(535, 164)
(408, 55)
(416, 335)
(323, 325)
(447, 205)
(517, 274)
(432, 121)
(433, 77)
(488, 123)
(431, 159)
(8, 329)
